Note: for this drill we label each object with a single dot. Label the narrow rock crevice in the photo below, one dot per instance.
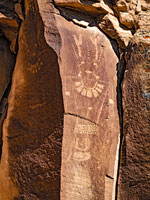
(4, 100)
(81, 117)
(11, 66)
(122, 151)
(3, 114)
(109, 176)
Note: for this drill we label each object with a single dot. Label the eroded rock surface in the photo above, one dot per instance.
(32, 131)
(110, 25)
(64, 87)
(134, 179)
(10, 14)
(92, 7)
(6, 65)
(91, 128)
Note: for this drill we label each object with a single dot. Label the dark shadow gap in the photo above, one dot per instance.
(3, 115)
(120, 76)
(7, 91)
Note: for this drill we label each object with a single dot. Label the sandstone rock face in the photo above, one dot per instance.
(134, 179)
(6, 65)
(9, 21)
(91, 7)
(110, 25)
(91, 127)
(32, 131)
(61, 135)
(31, 165)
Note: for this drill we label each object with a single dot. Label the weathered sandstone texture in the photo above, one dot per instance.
(74, 113)
(32, 132)
(134, 179)
(91, 128)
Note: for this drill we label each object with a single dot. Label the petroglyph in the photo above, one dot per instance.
(79, 187)
(86, 89)
(86, 129)
(82, 145)
(35, 66)
(89, 90)
(88, 83)
(81, 156)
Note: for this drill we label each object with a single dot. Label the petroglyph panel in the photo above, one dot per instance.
(91, 121)
(36, 64)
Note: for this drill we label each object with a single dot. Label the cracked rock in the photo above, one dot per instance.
(86, 6)
(111, 26)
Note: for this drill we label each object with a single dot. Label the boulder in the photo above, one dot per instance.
(90, 7)
(112, 27)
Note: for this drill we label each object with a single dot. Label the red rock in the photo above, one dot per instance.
(7, 62)
(63, 84)
(91, 128)
(90, 7)
(134, 179)
(32, 132)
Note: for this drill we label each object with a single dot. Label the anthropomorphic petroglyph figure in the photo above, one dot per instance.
(86, 89)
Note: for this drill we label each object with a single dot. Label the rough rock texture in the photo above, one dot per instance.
(91, 128)
(32, 132)
(6, 65)
(110, 25)
(9, 21)
(92, 7)
(134, 179)
(64, 87)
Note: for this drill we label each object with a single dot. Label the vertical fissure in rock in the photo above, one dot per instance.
(3, 114)
(4, 105)
(6, 70)
(121, 66)
(11, 65)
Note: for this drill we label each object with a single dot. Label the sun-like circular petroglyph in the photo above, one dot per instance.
(87, 91)
(34, 68)
(35, 65)
(89, 62)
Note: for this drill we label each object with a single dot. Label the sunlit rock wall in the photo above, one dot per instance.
(74, 113)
